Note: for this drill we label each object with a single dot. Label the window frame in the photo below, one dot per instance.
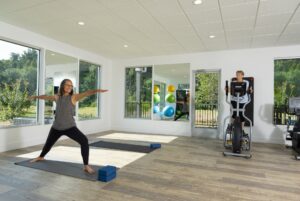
(99, 84)
(125, 97)
(286, 114)
(39, 69)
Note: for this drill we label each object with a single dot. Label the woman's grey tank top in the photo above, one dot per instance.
(65, 110)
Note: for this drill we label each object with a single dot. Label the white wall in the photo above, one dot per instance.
(13, 138)
(255, 62)
(258, 63)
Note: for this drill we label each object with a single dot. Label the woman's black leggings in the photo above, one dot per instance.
(182, 114)
(75, 134)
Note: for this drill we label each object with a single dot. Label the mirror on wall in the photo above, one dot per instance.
(171, 92)
(57, 67)
(138, 87)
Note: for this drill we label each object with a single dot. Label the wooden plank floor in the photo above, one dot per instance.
(185, 169)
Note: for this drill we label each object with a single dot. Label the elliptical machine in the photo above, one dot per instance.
(234, 136)
(294, 133)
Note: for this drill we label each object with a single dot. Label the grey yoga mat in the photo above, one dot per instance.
(122, 146)
(62, 168)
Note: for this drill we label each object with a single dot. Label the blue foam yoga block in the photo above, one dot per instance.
(107, 178)
(107, 170)
(155, 146)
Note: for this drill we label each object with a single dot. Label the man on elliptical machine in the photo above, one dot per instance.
(234, 137)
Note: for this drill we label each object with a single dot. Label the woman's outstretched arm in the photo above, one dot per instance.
(78, 97)
(44, 97)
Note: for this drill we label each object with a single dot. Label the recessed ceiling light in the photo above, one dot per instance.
(125, 46)
(81, 23)
(197, 2)
(52, 54)
(212, 36)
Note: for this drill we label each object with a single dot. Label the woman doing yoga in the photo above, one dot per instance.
(64, 123)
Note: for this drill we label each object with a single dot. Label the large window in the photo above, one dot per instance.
(206, 98)
(19, 70)
(58, 67)
(89, 75)
(18, 74)
(286, 85)
(138, 92)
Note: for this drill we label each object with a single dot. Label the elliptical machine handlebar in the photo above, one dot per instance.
(226, 88)
(248, 93)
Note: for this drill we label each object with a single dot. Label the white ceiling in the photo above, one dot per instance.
(158, 27)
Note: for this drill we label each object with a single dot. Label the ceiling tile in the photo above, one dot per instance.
(289, 39)
(39, 14)
(93, 7)
(238, 39)
(206, 5)
(276, 19)
(296, 17)
(236, 2)
(292, 28)
(270, 7)
(174, 21)
(239, 33)
(242, 23)
(161, 7)
(206, 28)
(239, 11)
(205, 16)
(115, 3)
(264, 40)
(8, 6)
(217, 44)
(268, 29)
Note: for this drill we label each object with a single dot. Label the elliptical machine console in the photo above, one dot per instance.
(294, 133)
(234, 136)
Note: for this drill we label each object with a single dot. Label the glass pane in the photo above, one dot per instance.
(88, 80)
(206, 99)
(58, 68)
(286, 85)
(171, 92)
(138, 89)
(18, 75)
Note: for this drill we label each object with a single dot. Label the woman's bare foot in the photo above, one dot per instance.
(89, 169)
(37, 159)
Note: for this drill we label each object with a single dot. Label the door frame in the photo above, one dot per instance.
(202, 131)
